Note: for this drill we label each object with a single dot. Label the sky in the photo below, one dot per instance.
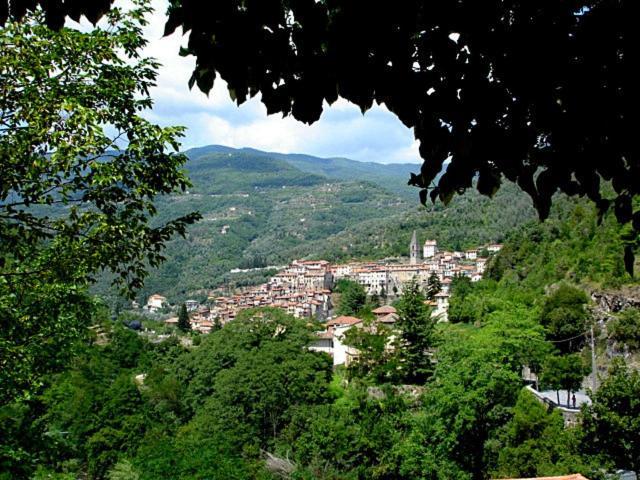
(342, 131)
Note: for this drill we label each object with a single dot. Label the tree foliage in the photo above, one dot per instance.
(353, 297)
(612, 422)
(183, 319)
(625, 329)
(80, 171)
(416, 334)
(565, 317)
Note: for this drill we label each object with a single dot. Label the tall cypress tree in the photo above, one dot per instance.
(434, 286)
(416, 334)
(183, 319)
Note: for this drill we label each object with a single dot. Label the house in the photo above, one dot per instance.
(192, 305)
(386, 315)
(155, 302)
(494, 247)
(430, 248)
(323, 342)
(343, 354)
(442, 306)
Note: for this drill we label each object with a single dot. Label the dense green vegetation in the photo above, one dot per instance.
(250, 402)
(422, 400)
(71, 205)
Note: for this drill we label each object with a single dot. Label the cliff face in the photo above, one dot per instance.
(606, 304)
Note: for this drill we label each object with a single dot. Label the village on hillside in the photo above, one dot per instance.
(304, 289)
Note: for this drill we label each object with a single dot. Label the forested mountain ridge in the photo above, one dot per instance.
(260, 211)
(392, 177)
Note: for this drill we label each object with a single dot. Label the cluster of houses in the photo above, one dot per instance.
(303, 289)
(332, 339)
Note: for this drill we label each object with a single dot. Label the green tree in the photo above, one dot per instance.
(81, 168)
(612, 423)
(564, 315)
(434, 286)
(416, 334)
(535, 443)
(564, 372)
(375, 360)
(461, 306)
(183, 319)
(352, 298)
(625, 329)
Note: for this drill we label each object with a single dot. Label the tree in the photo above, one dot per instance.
(416, 337)
(352, 298)
(626, 328)
(612, 423)
(81, 169)
(375, 358)
(535, 443)
(462, 308)
(434, 286)
(183, 319)
(564, 372)
(565, 317)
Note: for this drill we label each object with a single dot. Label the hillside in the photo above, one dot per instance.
(392, 177)
(260, 210)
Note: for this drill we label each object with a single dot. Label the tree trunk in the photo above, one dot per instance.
(558, 396)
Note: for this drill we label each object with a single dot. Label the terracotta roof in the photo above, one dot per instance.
(390, 318)
(325, 335)
(575, 476)
(384, 310)
(344, 320)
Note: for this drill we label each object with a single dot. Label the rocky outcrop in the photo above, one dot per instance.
(608, 303)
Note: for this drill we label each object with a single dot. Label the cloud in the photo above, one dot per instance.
(342, 130)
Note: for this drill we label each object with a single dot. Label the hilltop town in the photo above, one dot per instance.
(304, 288)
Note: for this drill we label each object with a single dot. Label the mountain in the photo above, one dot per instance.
(261, 209)
(393, 176)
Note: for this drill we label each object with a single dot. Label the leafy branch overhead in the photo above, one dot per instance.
(80, 167)
(541, 93)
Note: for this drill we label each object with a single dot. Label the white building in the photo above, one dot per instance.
(374, 281)
(192, 305)
(331, 340)
(429, 249)
(155, 302)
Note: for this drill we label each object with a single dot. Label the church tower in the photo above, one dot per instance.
(413, 249)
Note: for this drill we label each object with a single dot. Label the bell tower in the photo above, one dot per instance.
(414, 249)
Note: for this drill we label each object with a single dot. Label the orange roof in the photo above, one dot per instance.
(344, 320)
(575, 476)
(384, 310)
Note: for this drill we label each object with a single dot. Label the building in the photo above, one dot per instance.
(343, 354)
(429, 249)
(494, 247)
(192, 305)
(155, 302)
(413, 249)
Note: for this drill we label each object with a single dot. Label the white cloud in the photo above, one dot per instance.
(342, 131)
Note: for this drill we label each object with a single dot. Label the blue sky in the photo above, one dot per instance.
(342, 131)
